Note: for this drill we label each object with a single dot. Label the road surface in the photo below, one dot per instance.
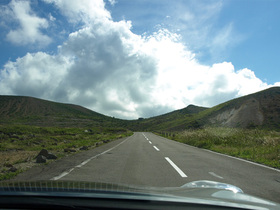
(146, 159)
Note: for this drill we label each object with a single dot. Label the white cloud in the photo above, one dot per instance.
(34, 74)
(29, 26)
(52, 18)
(106, 67)
(112, 2)
(86, 11)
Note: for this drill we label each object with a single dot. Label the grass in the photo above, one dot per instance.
(9, 175)
(19, 144)
(257, 145)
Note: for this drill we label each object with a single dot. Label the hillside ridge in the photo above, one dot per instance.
(256, 109)
(260, 109)
(31, 110)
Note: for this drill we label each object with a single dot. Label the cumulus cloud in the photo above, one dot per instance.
(34, 74)
(28, 28)
(106, 67)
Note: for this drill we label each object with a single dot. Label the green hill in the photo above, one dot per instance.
(261, 109)
(29, 110)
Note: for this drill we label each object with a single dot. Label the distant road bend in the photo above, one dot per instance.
(146, 159)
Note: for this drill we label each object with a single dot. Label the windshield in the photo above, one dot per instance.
(153, 94)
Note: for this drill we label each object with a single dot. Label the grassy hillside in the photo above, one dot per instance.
(261, 109)
(33, 111)
(171, 121)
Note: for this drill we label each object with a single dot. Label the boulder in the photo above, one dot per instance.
(69, 150)
(84, 148)
(51, 156)
(43, 152)
(46, 154)
(13, 169)
(8, 165)
(106, 141)
(41, 159)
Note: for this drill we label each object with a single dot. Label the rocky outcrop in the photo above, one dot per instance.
(69, 150)
(41, 159)
(44, 155)
(13, 169)
(84, 148)
(249, 113)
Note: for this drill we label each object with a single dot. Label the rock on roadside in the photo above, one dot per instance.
(69, 150)
(13, 169)
(44, 155)
(84, 148)
(41, 159)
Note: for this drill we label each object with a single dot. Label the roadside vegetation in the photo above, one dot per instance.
(20, 144)
(257, 145)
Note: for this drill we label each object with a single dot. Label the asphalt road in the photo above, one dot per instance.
(146, 159)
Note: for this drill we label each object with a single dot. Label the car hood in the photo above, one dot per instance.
(199, 192)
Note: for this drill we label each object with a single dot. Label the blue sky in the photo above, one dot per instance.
(255, 41)
(139, 58)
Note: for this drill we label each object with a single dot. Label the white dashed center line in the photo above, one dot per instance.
(145, 137)
(176, 167)
(157, 149)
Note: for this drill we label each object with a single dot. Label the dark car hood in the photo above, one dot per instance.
(199, 192)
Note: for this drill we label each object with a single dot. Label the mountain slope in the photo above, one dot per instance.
(23, 109)
(259, 109)
(170, 121)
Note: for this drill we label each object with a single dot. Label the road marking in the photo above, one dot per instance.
(145, 136)
(176, 167)
(63, 174)
(247, 161)
(150, 142)
(85, 162)
(215, 175)
(157, 149)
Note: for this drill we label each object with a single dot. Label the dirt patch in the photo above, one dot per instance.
(248, 113)
(16, 157)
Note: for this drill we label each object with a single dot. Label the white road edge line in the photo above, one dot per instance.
(176, 167)
(157, 149)
(215, 175)
(247, 161)
(85, 162)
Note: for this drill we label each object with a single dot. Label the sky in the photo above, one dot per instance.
(131, 59)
